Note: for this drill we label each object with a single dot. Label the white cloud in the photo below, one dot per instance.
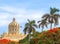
(21, 15)
(3, 15)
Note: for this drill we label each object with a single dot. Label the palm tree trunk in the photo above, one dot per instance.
(42, 29)
(51, 26)
(29, 37)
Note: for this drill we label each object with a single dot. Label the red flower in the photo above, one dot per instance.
(4, 41)
(54, 30)
(51, 30)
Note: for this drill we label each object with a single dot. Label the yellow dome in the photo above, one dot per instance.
(13, 27)
(13, 23)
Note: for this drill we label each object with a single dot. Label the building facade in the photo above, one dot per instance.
(13, 32)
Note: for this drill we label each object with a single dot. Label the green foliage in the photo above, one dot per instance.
(11, 42)
(49, 37)
(30, 28)
(52, 17)
(43, 23)
(25, 40)
(31, 41)
(45, 37)
(36, 34)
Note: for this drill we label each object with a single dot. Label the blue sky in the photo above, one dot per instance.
(23, 10)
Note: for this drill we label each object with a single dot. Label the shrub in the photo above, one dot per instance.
(51, 36)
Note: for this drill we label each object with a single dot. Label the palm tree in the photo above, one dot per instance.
(42, 23)
(30, 28)
(52, 17)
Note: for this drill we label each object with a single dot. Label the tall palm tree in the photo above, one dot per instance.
(42, 23)
(30, 28)
(52, 17)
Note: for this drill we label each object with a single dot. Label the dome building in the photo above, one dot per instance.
(13, 32)
(13, 27)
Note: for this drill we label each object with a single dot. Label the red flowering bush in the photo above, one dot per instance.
(4, 41)
(51, 36)
(54, 30)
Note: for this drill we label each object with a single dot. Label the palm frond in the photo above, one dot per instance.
(33, 30)
(29, 30)
(43, 23)
(27, 24)
(32, 22)
(25, 29)
(38, 21)
(56, 15)
(53, 10)
(46, 25)
(45, 16)
(35, 25)
(40, 25)
(56, 20)
(28, 20)
(57, 10)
